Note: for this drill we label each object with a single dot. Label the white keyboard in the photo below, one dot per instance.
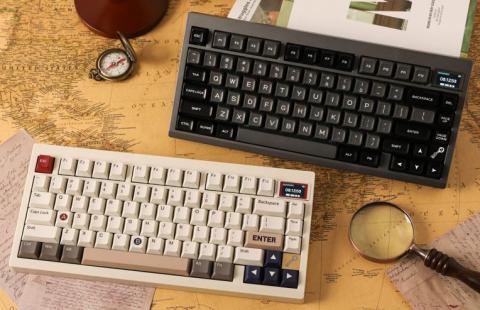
(167, 222)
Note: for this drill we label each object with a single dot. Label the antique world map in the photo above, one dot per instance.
(45, 56)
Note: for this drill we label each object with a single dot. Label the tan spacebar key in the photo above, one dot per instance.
(136, 261)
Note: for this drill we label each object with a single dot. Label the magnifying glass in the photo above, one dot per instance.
(383, 232)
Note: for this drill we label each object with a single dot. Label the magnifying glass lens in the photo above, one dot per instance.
(381, 232)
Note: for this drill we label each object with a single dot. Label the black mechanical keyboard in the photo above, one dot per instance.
(334, 102)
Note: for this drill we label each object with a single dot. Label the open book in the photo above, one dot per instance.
(434, 26)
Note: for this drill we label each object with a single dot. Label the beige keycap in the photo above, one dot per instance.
(159, 195)
(121, 242)
(174, 177)
(266, 187)
(108, 190)
(249, 185)
(74, 186)
(157, 176)
(175, 197)
(199, 217)
(210, 201)
(67, 166)
(41, 233)
(155, 246)
(136, 261)
(147, 211)
(63, 202)
(293, 244)
(80, 204)
(40, 216)
(232, 183)
(201, 234)
(214, 181)
(96, 206)
(58, 184)
(42, 200)
(141, 174)
(264, 241)
(164, 213)
(69, 237)
(295, 210)
(141, 193)
(125, 191)
(130, 209)
(41, 183)
(64, 219)
(84, 168)
(91, 188)
(191, 179)
(227, 203)
(101, 170)
(113, 207)
(273, 207)
(235, 237)
(118, 171)
(244, 204)
(248, 256)
(193, 199)
(272, 224)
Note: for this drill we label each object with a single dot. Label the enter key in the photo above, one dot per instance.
(264, 241)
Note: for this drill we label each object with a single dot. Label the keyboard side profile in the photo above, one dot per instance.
(334, 102)
(165, 222)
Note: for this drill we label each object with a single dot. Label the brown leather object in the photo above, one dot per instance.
(131, 17)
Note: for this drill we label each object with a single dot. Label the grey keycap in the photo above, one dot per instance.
(310, 77)
(293, 74)
(299, 110)
(372, 141)
(253, 45)
(395, 93)
(72, 254)
(349, 102)
(249, 84)
(201, 269)
(355, 138)
(51, 252)
(327, 80)
(304, 129)
(226, 62)
(344, 83)
(316, 113)
(282, 90)
(233, 98)
(332, 99)
(383, 108)
(266, 104)
(237, 43)
(422, 116)
(315, 96)
(259, 68)
(220, 39)
(378, 89)
(239, 116)
(272, 122)
(350, 119)
(250, 101)
(217, 95)
(338, 135)
(271, 48)
(421, 75)
(401, 111)
(333, 116)
(403, 72)
(210, 59)
(385, 68)
(288, 125)
(29, 249)
(361, 86)
(298, 93)
(322, 132)
(367, 123)
(194, 56)
(283, 107)
(255, 120)
(384, 126)
(368, 65)
(265, 87)
(216, 78)
(222, 271)
(277, 71)
(223, 114)
(366, 105)
(243, 65)
(232, 81)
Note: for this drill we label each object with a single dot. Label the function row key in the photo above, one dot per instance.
(244, 185)
(323, 58)
(399, 71)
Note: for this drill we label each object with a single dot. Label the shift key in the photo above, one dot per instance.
(196, 109)
(264, 241)
(195, 92)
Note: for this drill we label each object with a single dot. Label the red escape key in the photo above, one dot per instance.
(44, 164)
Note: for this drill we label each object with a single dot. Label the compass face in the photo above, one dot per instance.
(114, 64)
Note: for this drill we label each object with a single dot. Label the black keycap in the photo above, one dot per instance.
(378, 89)
(243, 65)
(315, 96)
(237, 43)
(372, 141)
(282, 90)
(271, 48)
(395, 146)
(299, 110)
(273, 259)
(345, 61)
(449, 102)
(205, 128)
(227, 62)
(293, 74)
(401, 111)
(29, 249)
(272, 122)
(338, 135)
(293, 52)
(384, 126)
(222, 114)
(216, 78)
(310, 55)
(239, 117)
(344, 83)
(249, 84)
(327, 80)
(195, 92)
(348, 154)
(220, 39)
(288, 126)
(265, 87)
(441, 137)
(310, 77)
(445, 120)
(422, 97)
(367, 123)
(421, 75)
(217, 95)
(398, 164)
(201, 269)
(304, 129)
(289, 278)
(316, 114)
(250, 102)
(51, 252)
(255, 120)
(259, 68)
(412, 131)
(385, 68)
(253, 275)
(416, 167)
(271, 276)
(383, 108)
(333, 116)
(223, 271)
(368, 65)
(422, 116)
(72, 254)
(225, 132)
(298, 93)
(332, 99)
(233, 98)
(361, 87)
(198, 36)
(350, 119)
(196, 109)
(283, 107)
(434, 170)
(326, 59)
(395, 93)
(195, 75)
(420, 150)
(355, 138)
(232, 81)
(210, 59)
(366, 105)
(276, 71)
(194, 57)
(370, 159)
(437, 152)
(266, 104)
(322, 132)
(254, 46)
(403, 72)
(185, 124)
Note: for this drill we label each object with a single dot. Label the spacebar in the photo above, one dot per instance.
(136, 261)
(286, 143)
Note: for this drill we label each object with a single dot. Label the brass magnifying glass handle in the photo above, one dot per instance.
(448, 266)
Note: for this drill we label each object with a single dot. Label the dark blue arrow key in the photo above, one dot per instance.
(271, 276)
(289, 278)
(253, 275)
(273, 259)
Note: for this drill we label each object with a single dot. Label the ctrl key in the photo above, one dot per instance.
(29, 249)
(185, 124)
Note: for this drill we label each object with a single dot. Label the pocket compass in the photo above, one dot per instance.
(115, 64)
